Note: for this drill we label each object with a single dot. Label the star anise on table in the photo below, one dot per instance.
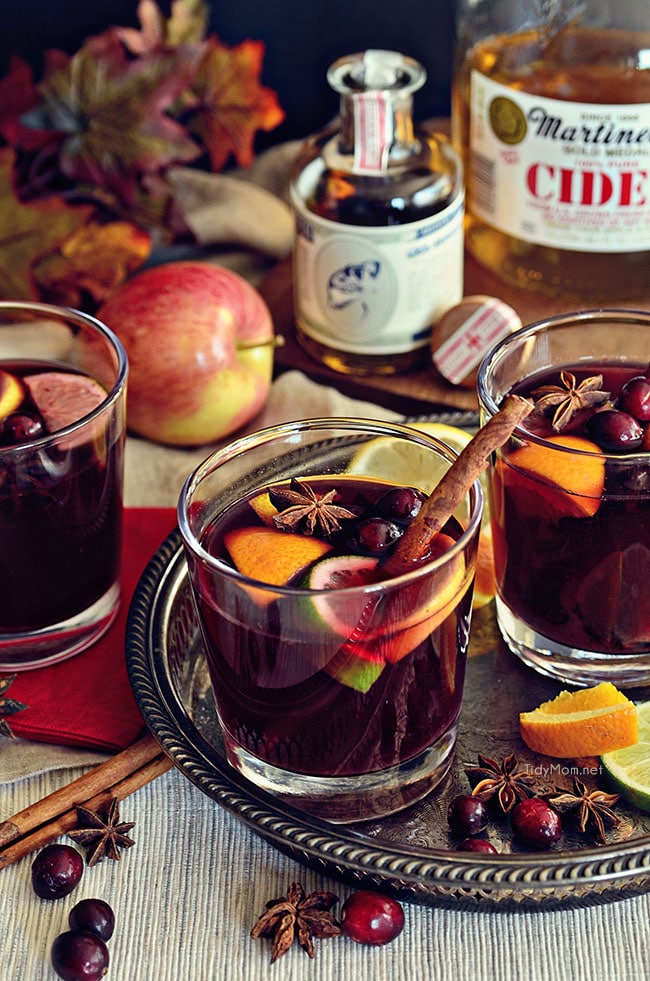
(8, 706)
(565, 399)
(102, 832)
(501, 783)
(302, 509)
(300, 916)
(591, 810)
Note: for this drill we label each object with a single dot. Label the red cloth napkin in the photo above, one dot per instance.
(87, 700)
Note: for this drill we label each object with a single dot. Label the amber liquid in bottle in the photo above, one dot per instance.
(403, 195)
(579, 65)
(379, 224)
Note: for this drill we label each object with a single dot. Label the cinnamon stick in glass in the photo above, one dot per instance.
(414, 545)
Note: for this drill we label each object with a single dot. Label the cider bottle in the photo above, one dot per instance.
(551, 114)
(378, 204)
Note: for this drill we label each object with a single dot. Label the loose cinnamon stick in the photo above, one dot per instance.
(51, 817)
(67, 820)
(413, 547)
(101, 776)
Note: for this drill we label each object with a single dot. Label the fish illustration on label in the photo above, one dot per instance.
(350, 286)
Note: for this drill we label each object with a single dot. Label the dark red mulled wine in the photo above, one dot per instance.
(571, 515)
(60, 497)
(319, 679)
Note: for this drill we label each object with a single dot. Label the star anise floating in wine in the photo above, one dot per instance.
(8, 706)
(302, 509)
(297, 916)
(501, 783)
(591, 810)
(567, 398)
(102, 832)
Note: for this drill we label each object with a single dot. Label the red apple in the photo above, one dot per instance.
(199, 340)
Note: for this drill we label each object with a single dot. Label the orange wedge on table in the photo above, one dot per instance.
(563, 484)
(588, 722)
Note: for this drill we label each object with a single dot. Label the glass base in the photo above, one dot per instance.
(343, 800)
(572, 665)
(49, 645)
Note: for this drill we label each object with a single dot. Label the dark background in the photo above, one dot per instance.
(302, 38)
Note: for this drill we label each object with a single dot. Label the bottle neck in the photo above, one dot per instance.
(376, 129)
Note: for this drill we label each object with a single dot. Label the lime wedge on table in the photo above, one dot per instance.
(628, 769)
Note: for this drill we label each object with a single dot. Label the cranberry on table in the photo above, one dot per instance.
(615, 431)
(79, 956)
(370, 918)
(477, 845)
(93, 916)
(467, 815)
(536, 823)
(634, 397)
(56, 870)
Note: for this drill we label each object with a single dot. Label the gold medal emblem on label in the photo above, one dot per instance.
(507, 120)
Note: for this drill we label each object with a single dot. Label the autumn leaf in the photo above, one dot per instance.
(188, 22)
(186, 25)
(232, 103)
(18, 94)
(94, 259)
(29, 231)
(116, 122)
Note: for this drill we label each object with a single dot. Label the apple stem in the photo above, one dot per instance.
(276, 341)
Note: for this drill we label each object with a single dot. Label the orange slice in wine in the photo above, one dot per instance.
(557, 484)
(485, 580)
(11, 393)
(444, 590)
(271, 556)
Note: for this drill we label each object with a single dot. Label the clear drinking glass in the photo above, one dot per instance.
(571, 519)
(344, 701)
(62, 388)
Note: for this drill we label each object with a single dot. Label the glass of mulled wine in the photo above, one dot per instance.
(62, 390)
(570, 496)
(337, 687)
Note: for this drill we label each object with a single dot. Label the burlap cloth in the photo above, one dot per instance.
(187, 895)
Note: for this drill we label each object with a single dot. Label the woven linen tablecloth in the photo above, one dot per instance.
(188, 893)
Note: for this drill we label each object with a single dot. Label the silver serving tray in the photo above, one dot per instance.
(411, 853)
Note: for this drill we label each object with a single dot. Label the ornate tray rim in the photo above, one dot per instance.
(521, 881)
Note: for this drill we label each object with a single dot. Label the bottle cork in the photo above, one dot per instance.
(465, 333)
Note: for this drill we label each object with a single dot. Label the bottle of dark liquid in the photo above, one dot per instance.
(551, 114)
(378, 202)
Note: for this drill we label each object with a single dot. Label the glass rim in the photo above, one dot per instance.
(618, 315)
(70, 315)
(261, 437)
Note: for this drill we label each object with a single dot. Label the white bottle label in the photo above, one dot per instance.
(571, 175)
(375, 291)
